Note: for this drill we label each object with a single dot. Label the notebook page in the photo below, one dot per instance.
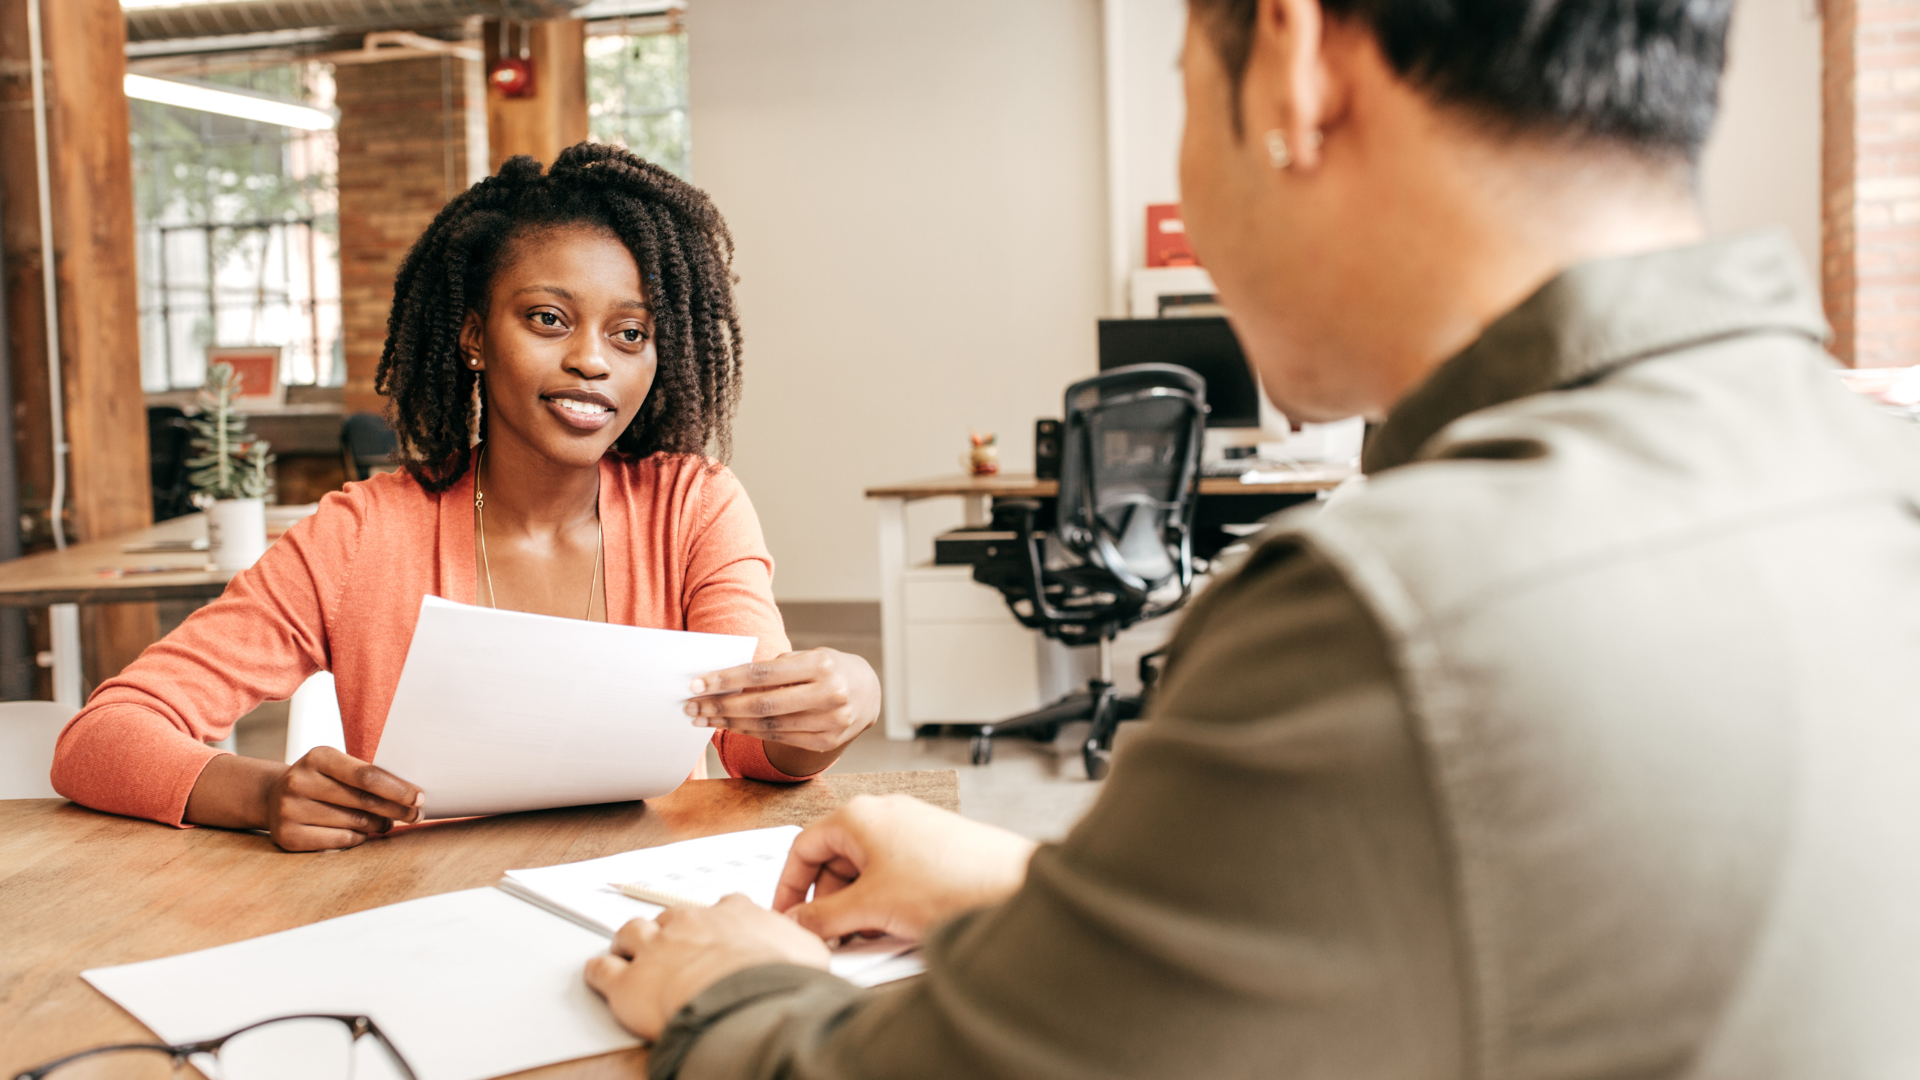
(705, 869)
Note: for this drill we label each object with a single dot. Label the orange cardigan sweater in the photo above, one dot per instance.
(341, 591)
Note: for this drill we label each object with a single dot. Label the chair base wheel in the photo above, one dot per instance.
(980, 749)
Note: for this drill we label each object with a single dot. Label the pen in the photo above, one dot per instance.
(651, 895)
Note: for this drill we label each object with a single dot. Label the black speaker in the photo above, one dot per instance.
(1046, 449)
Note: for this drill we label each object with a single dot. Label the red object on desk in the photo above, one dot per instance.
(1167, 237)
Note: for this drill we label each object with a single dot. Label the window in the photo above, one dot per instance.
(637, 88)
(238, 235)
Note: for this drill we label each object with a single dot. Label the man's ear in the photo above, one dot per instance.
(472, 335)
(1285, 89)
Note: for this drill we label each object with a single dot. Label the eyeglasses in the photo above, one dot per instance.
(286, 1048)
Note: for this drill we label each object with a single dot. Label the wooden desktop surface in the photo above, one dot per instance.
(80, 889)
(1024, 486)
(74, 576)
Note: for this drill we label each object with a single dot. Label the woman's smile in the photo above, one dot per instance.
(586, 410)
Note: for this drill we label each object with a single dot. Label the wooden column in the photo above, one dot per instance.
(90, 162)
(555, 116)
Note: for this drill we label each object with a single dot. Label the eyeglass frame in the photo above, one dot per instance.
(359, 1025)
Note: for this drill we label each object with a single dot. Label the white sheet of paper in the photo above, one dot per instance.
(467, 985)
(499, 711)
(706, 869)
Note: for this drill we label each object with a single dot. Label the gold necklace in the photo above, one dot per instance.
(480, 511)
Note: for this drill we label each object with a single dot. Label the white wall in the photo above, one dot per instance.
(918, 196)
(1762, 166)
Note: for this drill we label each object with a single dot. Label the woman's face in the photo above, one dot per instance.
(566, 344)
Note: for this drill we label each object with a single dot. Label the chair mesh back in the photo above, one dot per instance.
(1129, 461)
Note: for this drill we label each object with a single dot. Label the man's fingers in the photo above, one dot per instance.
(603, 971)
(634, 936)
(822, 848)
(838, 915)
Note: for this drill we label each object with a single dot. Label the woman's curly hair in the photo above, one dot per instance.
(684, 254)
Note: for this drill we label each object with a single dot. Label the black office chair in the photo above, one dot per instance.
(1119, 550)
(169, 445)
(367, 445)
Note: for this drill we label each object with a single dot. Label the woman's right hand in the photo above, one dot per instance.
(325, 800)
(893, 864)
(330, 800)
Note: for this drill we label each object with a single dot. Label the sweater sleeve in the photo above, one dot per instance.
(729, 590)
(141, 742)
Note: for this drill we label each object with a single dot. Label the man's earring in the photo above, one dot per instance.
(1278, 153)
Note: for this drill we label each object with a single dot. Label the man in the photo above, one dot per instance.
(1583, 742)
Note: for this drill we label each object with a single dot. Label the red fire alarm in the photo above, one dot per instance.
(512, 76)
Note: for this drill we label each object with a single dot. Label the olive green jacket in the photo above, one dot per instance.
(1583, 742)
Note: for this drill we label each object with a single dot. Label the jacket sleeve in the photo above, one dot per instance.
(141, 742)
(1259, 890)
(729, 590)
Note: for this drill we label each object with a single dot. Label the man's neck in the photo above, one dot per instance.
(1507, 222)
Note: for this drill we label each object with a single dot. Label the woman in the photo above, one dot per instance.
(580, 326)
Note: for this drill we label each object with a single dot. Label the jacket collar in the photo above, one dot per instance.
(1598, 316)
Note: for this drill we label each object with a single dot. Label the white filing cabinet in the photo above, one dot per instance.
(968, 660)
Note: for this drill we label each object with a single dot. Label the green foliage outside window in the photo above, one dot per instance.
(637, 96)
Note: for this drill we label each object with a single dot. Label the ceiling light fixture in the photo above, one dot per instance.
(267, 110)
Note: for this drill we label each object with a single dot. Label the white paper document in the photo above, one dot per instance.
(474, 984)
(705, 870)
(499, 711)
(467, 985)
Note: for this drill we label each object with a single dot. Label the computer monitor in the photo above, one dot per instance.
(1205, 344)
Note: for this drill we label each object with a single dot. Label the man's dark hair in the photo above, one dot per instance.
(684, 254)
(1644, 74)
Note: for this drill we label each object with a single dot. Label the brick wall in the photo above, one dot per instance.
(1870, 180)
(405, 137)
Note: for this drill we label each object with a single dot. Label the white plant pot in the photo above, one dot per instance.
(236, 533)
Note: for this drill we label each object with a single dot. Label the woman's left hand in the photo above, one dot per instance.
(816, 700)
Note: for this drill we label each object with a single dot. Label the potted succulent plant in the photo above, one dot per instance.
(229, 477)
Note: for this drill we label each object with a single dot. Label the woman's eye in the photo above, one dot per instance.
(547, 318)
(633, 335)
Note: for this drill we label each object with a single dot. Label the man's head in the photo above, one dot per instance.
(1372, 181)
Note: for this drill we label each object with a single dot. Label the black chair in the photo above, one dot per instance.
(169, 445)
(367, 445)
(1119, 548)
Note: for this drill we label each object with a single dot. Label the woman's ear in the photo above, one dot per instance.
(472, 353)
(1284, 95)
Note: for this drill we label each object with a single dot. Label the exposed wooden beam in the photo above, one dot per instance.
(555, 116)
(90, 161)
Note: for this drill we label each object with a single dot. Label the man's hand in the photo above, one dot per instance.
(657, 966)
(893, 864)
(816, 700)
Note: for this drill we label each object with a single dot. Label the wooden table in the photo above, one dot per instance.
(977, 494)
(80, 889)
(63, 580)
